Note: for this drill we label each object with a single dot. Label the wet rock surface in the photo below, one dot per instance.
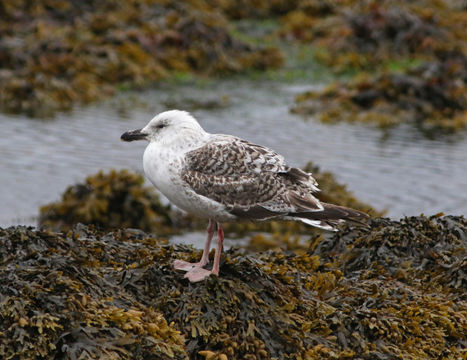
(396, 290)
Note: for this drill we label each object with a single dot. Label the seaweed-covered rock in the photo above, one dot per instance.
(397, 37)
(432, 96)
(57, 299)
(362, 34)
(56, 53)
(88, 293)
(415, 250)
(114, 200)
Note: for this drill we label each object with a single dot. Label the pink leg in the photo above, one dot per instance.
(205, 257)
(187, 266)
(217, 256)
(198, 274)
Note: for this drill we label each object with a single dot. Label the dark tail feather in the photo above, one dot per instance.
(331, 215)
(336, 212)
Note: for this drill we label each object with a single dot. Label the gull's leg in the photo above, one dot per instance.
(198, 274)
(220, 243)
(186, 266)
(207, 246)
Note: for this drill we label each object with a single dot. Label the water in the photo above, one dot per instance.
(401, 171)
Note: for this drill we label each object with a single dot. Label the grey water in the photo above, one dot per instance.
(399, 170)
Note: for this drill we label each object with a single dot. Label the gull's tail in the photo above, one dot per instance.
(331, 216)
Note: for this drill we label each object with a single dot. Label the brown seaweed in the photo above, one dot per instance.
(432, 97)
(396, 290)
(109, 200)
(378, 34)
(57, 53)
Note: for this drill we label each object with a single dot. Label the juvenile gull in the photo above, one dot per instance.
(224, 179)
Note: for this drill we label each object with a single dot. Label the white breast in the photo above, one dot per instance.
(162, 167)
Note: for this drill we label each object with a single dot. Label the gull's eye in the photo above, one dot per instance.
(160, 126)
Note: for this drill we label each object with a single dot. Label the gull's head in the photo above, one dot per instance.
(167, 123)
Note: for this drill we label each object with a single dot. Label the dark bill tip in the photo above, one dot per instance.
(133, 135)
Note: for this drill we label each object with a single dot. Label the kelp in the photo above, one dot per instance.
(119, 199)
(432, 97)
(54, 53)
(396, 290)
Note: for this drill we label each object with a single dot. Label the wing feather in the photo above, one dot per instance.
(252, 181)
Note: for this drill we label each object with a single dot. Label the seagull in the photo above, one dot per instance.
(226, 179)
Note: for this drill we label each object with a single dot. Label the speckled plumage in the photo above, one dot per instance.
(250, 180)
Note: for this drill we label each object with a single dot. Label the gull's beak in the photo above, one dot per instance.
(133, 135)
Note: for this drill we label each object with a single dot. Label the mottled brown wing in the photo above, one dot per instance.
(250, 180)
(228, 155)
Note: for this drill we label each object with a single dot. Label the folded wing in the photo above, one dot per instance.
(252, 181)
